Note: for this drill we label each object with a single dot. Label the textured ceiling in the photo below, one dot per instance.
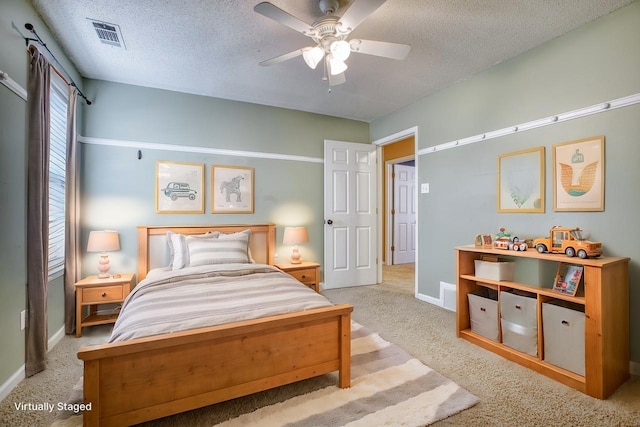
(213, 47)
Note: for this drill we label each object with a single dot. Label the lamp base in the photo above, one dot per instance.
(104, 266)
(295, 256)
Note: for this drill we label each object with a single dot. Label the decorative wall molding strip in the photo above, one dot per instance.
(546, 121)
(193, 149)
(13, 85)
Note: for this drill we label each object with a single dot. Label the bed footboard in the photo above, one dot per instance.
(149, 378)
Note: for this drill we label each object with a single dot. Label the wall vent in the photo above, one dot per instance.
(108, 33)
(448, 296)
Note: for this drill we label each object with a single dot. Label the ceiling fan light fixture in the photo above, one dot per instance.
(336, 66)
(312, 56)
(340, 50)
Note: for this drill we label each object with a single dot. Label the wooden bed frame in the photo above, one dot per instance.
(148, 378)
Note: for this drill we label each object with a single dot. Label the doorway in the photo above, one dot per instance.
(401, 218)
(396, 149)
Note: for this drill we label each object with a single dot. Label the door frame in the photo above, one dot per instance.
(403, 134)
(390, 191)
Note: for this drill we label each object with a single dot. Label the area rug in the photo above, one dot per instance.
(388, 388)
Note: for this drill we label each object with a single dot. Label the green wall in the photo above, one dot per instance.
(596, 63)
(13, 187)
(118, 189)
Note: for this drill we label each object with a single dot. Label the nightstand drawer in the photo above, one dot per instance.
(102, 294)
(306, 276)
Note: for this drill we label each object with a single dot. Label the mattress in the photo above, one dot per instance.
(208, 295)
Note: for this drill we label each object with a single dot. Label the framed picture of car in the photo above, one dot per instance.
(179, 187)
(231, 189)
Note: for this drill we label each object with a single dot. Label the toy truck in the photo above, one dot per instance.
(569, 241)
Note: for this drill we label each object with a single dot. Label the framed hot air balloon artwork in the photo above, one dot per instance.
(578, 177)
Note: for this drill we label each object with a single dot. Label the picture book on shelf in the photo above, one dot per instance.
(568, 279)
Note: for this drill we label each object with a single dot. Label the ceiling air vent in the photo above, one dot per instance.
(108, 33)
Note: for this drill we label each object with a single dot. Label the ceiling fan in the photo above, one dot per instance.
(331, 36)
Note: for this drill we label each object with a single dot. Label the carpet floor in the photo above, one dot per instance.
(510, 395)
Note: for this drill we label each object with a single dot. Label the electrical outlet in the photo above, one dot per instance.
(424, 188)
(23, 319)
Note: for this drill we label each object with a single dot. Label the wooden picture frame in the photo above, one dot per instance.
(521, 181)
(179, 187)
(578, 176)
(568, 279)
(231, 189)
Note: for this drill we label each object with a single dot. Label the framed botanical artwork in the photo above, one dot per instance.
(231, 189)
(179, 187)
(567, 279)
(578, 176)
(521, 181)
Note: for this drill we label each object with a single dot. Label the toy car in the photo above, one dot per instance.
(517, 245)
(509, 244)
(569, 241)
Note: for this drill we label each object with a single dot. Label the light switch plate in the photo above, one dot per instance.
(424, 188)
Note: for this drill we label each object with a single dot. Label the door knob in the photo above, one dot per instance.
(329, 222)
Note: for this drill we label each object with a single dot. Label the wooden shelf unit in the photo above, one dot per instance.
(605, 298)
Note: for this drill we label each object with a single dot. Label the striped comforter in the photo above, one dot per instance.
(194, 297)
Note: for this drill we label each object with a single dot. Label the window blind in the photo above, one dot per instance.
(57, 170)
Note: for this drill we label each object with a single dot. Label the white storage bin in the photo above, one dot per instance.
(519, 322)
(483, 311)
(563, 331)
(494, 270)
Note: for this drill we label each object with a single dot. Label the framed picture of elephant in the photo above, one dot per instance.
(231, 189)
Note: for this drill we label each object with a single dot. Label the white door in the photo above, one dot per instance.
(404, 214)
(350, 197)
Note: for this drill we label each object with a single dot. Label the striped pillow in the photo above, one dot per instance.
(226, 249)
(178, 250)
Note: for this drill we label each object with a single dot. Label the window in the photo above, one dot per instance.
(57, 170)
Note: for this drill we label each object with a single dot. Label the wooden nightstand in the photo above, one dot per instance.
(307, 272)
(92, 291)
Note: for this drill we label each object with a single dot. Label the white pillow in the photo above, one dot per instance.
(178, 250)
(225, 249)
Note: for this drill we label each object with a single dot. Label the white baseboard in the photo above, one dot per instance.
(55, 339)
(19, 375)
(429, 299)
(447, 297)
(12, 382)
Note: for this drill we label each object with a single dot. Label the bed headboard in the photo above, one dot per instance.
(153, 251)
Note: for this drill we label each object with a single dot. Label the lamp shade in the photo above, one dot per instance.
(103, 241)
(295, 235)
(340, 50)
(312, 56)
(336, 66)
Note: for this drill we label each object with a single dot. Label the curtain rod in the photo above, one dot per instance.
(68, 76)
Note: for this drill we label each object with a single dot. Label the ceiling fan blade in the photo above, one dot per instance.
(279, 15)
(383, 49)
(282, 58)
(358, 12)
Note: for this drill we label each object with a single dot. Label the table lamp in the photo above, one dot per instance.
(103, 242)
(294, 236)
